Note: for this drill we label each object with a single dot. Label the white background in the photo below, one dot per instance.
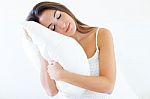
(128, 20)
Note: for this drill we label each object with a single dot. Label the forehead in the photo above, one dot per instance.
(46, 17)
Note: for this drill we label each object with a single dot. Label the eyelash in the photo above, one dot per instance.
(54, 28)
(54, 25)
(59, 16)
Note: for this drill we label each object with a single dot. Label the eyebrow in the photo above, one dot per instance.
(54, 17)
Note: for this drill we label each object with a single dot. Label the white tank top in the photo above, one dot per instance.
(94, 71)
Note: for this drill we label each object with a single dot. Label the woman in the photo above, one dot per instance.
(96, 42)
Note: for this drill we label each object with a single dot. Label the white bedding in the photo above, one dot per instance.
(57, 47)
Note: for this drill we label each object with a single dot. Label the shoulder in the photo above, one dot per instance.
(104, 36)
(104, 32)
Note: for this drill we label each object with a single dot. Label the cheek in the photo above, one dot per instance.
(74, 27)
(58, 30)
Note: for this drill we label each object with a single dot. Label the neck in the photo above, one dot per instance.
(78, 36)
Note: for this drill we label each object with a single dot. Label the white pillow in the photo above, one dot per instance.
(64, 49)
(32, 52)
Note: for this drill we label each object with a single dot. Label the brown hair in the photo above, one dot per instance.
(42, 6)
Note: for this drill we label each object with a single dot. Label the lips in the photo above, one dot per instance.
(68, 27)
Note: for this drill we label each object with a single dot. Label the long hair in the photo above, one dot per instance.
(42, 6)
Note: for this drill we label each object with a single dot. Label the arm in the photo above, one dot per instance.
(48, 84)
(40, 63)
(103, 83)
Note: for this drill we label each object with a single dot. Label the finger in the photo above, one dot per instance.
(49, 66)
(48, 71)
(53, 63)
(52, 60)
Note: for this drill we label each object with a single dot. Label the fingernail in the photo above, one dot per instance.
(52, 63)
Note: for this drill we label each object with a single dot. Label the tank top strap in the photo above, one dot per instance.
(97, 37)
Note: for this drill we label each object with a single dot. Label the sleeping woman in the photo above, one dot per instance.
(97, 43)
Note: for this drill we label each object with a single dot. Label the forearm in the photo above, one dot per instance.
(94, 83)
(48, 84)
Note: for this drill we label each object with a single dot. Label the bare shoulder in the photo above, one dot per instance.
(104, 36)
(104, 32)
(107, 56)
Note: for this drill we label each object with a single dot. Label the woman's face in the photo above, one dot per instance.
(58, 21)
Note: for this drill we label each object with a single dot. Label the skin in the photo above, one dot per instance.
(59, 20)
(104, 83)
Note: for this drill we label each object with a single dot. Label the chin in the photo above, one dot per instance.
(71, 33)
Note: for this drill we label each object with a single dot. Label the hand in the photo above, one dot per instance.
(54, 70)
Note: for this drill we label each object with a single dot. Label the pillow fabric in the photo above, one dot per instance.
(32, 52)
(61, 48)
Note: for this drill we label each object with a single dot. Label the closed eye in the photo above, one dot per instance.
(59, 16)
(52, 27)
